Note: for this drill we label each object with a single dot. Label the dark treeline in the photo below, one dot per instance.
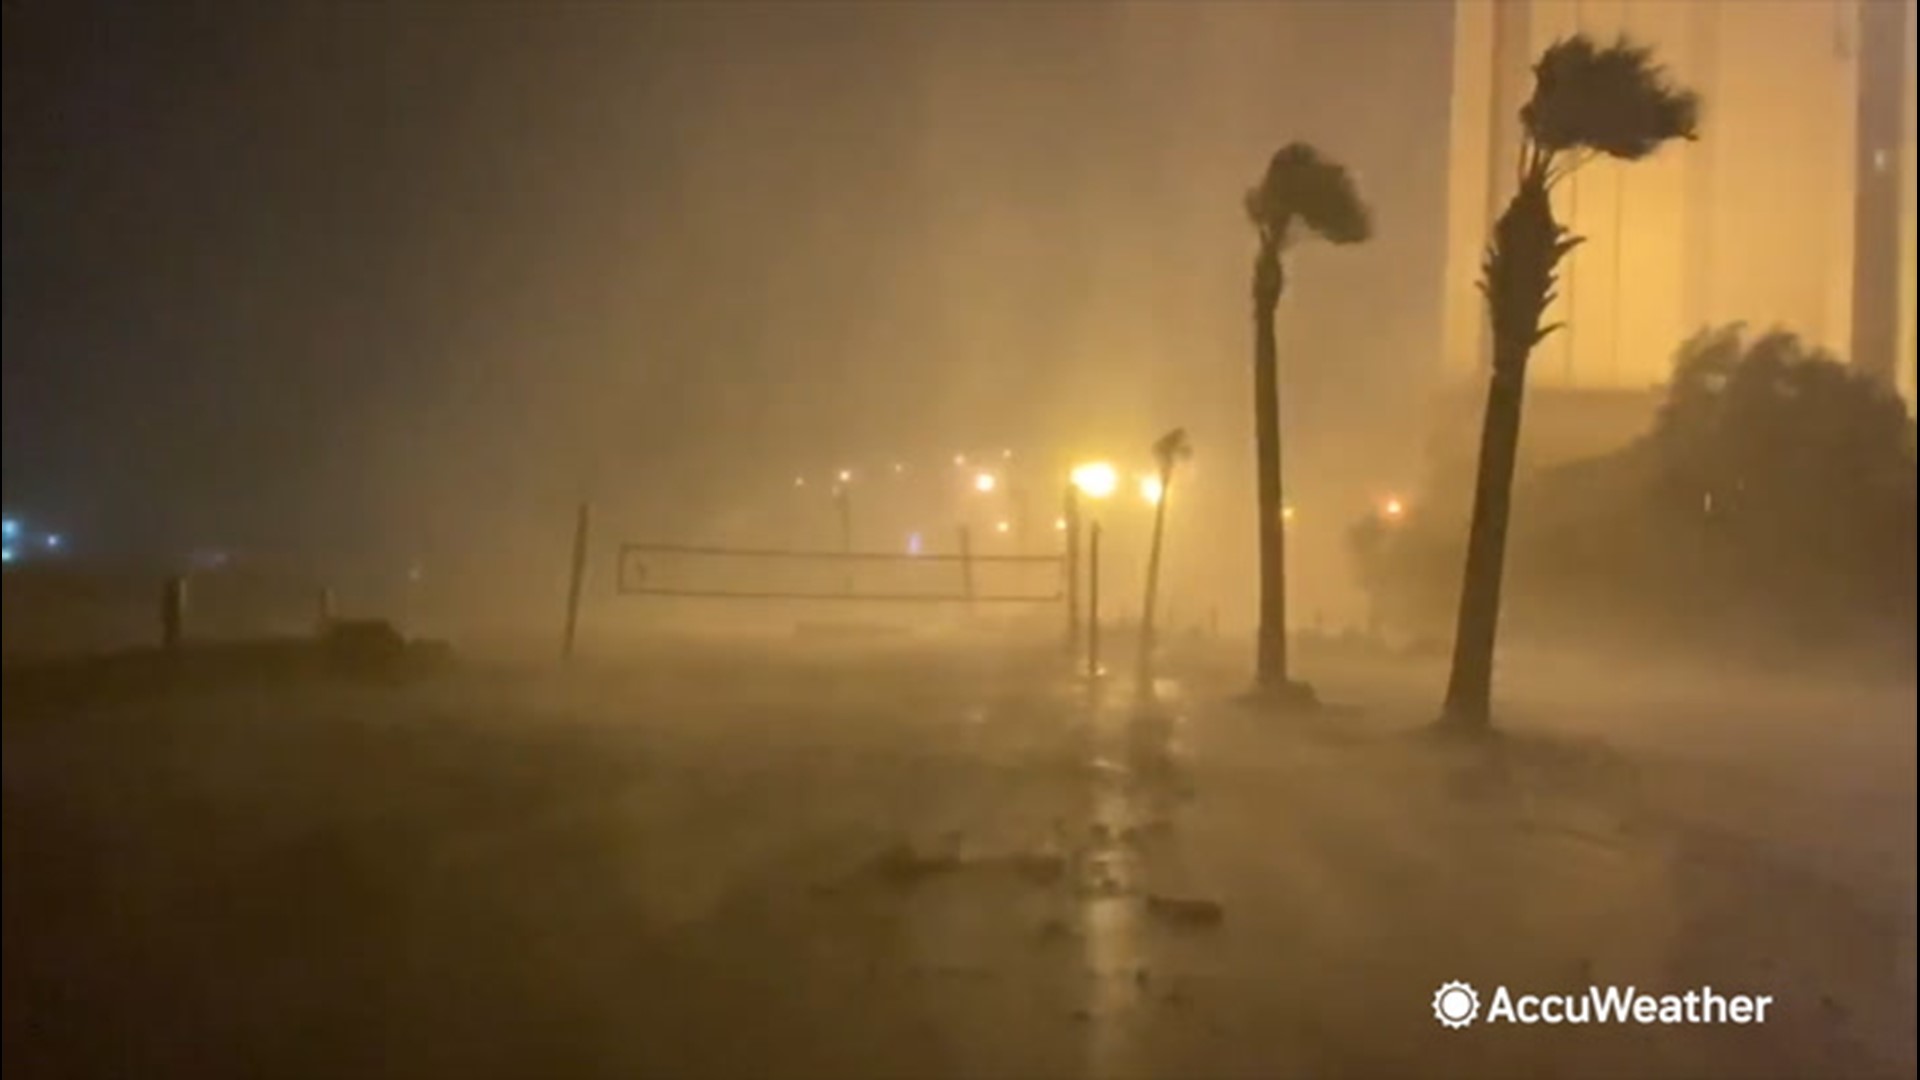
(1770, 504)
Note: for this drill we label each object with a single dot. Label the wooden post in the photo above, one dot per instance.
(966, 565)
(1093, 601)
(173, 613)
(576, 579)
(843, 503)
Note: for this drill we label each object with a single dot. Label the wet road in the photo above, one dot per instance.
(891, 863)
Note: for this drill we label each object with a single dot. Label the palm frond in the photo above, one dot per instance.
(1614, 100)
(1301, 185)
(1172, 447)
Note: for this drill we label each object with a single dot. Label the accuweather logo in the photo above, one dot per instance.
(1457, 1005)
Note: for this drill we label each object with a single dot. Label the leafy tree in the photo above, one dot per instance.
(1771, 504)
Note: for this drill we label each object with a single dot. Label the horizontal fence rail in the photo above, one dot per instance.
(933, 598)
(633, 575)
(830, 556)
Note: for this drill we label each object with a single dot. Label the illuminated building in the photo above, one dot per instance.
(1795, 209)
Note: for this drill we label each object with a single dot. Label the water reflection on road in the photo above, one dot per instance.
(1131, 748)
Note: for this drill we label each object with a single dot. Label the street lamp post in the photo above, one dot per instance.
(1070, 514)
(1093, 601)
(1094, 481)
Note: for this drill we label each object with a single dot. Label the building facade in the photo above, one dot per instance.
(1795, 209)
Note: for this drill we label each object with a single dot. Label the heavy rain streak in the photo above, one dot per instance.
(1059, 539)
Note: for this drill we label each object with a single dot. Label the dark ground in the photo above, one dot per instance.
(763, 860)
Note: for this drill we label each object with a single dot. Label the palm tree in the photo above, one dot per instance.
(1302, 194)
(1169, 450)
(1587, 101)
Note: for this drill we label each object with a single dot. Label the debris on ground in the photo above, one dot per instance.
(1056, 929)
(1181, 911)
(1039, 867)
(903, 864)
(1145, 831)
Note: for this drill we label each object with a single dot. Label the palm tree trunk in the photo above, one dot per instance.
(1144, 668)
(1470, 687)
(1270, 672)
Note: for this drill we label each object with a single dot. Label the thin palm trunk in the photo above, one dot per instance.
(1271, 660)
(1470, 687)
(1520, 272)
(1145, 665)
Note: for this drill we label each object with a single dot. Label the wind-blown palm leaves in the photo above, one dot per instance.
(1613, 100)
(1300, 184)
(1302, 194)
(1588, 100)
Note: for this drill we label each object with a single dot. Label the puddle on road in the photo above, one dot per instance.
(1130, 766)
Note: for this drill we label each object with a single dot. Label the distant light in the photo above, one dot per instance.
(12, 529)
(1151, 490)
(985, 482)
(799, 481)
(6, 554)
(913, 543)
(898, 468)
(1006, 455)
(1060, 524)
(846, 475)
(1286, 513)
(1096, 480)
(960, 460)
(1393, 507)
(54, 541)
(1002, 526)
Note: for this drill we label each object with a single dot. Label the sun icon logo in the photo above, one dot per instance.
(1455, 1004)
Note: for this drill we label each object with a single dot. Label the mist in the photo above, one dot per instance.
(403, 284)
(749, 538)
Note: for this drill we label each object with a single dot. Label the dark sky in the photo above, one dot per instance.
(296, 276)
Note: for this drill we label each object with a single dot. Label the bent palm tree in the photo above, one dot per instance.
(1587, 101)
(1168, 450)
(1301, 194)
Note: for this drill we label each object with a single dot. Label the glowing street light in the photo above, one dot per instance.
(1151, 490)
(1002, 527)
(799, 481)
(1286, 514)
(985, 482)
(1095, 480)
(1393, 508)
(960, 461)
(846, 475)
(1059, 524)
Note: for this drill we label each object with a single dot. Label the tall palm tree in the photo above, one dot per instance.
(1168, 450)
(1587, 101)
(1301, 195)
